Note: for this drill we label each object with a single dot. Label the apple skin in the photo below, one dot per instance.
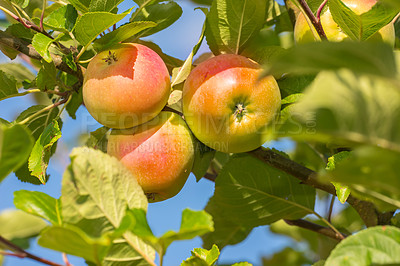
(126, 85)
(227, 107)
(159, 154)
(303, 33)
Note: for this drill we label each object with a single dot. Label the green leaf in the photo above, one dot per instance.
(373, 246)
(364, 57)
(18, 225)
(15, 146)
(21, 3)
(371, 173)
(41, 43)
(185, 69)
(39, 204)
(62, 19)
(91, 24)
(18, 30)
(74, 104)
(342, 192)
(74, 242)
(379, 16)
(253, 193)
(287, 257)
(98, 139)
(103, 5)
(121, 34)
(81, 5)
(41, 152)
(232, 23)
(96, 192)
(17, 71)
(202, 159)
(8, 85)
(36, 126)
(163, 14)
(348, 21)
(210, 257)
(47, 77)
(193, 223)
(365, 101)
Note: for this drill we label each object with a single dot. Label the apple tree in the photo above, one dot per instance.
(336, 63)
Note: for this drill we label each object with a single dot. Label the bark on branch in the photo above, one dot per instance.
(27, 49)
(367, 211)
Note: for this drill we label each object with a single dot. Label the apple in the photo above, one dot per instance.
(227, 107)
(126, 85)
(303, 33)
(159, 154)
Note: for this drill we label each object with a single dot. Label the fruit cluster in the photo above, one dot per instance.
(224, 105)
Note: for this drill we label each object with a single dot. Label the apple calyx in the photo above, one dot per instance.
(150, 196)
(239, 111)
(111, 58)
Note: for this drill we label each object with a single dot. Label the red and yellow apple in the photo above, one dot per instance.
(304, 34)
(159, 154)
(126, 85)
(227, 107)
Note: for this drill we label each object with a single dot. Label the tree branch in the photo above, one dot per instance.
(314, 20)
(27, 49)
(367, 211)
(316, 228)
(20, 253)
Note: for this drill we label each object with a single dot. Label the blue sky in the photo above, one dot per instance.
(177, 41)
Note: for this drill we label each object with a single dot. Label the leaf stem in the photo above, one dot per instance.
(319, 11)
(20, 94)
(316, 228)
(20, 253)
(42, 15)
(332, 202)
(43, 110)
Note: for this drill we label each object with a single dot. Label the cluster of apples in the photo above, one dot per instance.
(224, 105)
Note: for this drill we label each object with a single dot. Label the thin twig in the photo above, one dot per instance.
(316, 228)
(332, 202)
(314, 21)
(42, 15)
(319, 11)
(20, 253)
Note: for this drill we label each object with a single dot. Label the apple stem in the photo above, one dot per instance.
(314, 20)
(240, 111)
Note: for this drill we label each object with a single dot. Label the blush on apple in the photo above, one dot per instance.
(159, 154)
(227, 107)
(126, 85)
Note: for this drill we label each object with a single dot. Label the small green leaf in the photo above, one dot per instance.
(91, 24)
(163, 14)
(62, 19)
(39, 204)
(17, 71)
(98, 139)
(47, 77)
(74, 104)
(185, 69)
(41, 43)
(202, 160)
(373, 246)
(15, 146)
(232, 23)
(8, 85)
(342, 192)
(372, 174)
(74, 242)
(81, 5)
(41, 152)
(121, 34)
(208, 256)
